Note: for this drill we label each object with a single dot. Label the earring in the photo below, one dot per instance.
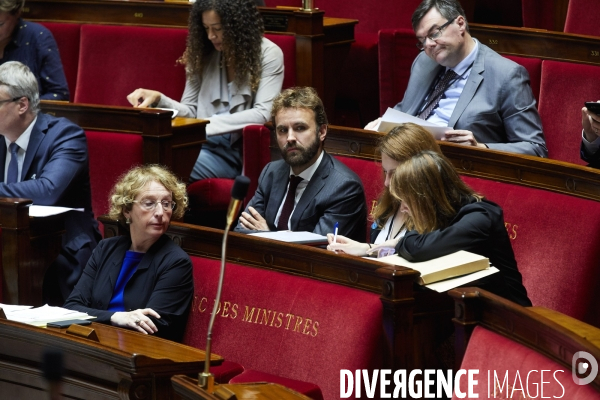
(128, 220)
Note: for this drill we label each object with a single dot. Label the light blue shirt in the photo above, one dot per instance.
(442, 113)
(22, 142)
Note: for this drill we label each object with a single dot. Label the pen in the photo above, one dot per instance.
(335, 230)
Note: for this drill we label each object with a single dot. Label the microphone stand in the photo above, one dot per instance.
(240, 187)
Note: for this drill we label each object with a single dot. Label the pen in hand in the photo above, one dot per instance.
(335, 231)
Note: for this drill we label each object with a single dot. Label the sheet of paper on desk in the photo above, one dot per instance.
(444, 286)
(40, 316)
(175, 112)
(46, 211)
(393, 118)
(293, 237)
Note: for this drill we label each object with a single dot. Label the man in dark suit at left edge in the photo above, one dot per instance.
(308, 190)
(46, 160)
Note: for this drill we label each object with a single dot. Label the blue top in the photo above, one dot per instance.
(130, 263)
(34, 46)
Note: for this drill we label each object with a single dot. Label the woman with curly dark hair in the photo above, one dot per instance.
(233, 75)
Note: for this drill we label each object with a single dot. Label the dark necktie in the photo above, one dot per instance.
(12, 175)
(288, 204)
(437, 93)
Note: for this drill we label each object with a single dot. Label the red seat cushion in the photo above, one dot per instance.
(110, 68)
(308, 389)
(226, 371)
(67, 39)
(210, 194)
(555, 239)
(489, 351)
(290, 326)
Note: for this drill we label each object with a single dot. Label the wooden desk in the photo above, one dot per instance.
(123, 364)
(187, 388)
(172, 142)
(322, 43)
(558, 176)
(539, 43)
(28, 247)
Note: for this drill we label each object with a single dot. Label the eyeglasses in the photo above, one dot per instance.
(433, 36)
(150, 205)
(10, 100)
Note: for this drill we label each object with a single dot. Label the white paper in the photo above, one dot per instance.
(46, 211)
(175, 112)
(444, 286)
(292, 237)
(8, 308)
(393, 118)
(42, 315)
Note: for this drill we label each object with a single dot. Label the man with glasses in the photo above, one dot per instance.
(45, 159)
(456, 81)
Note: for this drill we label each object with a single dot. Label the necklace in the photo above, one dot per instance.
(392, 227)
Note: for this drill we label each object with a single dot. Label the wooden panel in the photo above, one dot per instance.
(175, 143)
(414, 318)
(542, 173)
(539, 43)
(552, 334)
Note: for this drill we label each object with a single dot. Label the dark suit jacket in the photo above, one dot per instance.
(334, 194)
(478, 227)
(56, 173)
(496, 104)
(592, 159)
(163, 281)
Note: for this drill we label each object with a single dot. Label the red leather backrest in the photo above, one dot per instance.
(286, 325)
(287, 44)
(110, 155)
(534, 68)
(397, 51)
(67, 39)
(490, 352)
(564, 90)
(555, 239)
(371, 175)
(582, 17)
(116, 60)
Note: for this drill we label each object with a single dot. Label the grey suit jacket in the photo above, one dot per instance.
(497, 104)
(334, 194)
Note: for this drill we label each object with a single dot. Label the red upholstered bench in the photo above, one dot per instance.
(506, 341)
(110, 67)
(555, 239)
(286, 329)
(67, 39)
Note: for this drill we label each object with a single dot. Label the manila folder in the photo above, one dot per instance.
(446, 267)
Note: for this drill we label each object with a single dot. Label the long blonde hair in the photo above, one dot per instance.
(431, 188)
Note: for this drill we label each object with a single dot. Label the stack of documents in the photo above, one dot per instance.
(42, 315)
(309, 238)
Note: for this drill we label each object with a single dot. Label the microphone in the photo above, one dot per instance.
(238, 193)
(240, 187)
(52, 368)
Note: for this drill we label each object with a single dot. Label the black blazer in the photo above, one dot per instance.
(163, 281)
(478, 227)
